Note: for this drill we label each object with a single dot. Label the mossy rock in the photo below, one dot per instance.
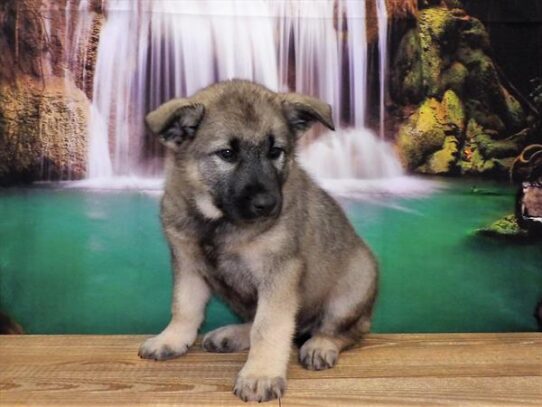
(482, 154)
(422, 135)
(475, 34)
(480, 113)
(444, 66)
(471, 57)
(428, 142)
(433, 26)
(514, 112)
(483, 84)
(407, 73)
(443, 161)
(506, 227)
(448, 50)
(453, 109)
(455, 77)
(474, 163)
(496, 148)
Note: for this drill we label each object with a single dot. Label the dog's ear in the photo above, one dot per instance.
(303, 111)
(175, 121)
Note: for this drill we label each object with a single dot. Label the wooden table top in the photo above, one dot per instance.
(384, 370)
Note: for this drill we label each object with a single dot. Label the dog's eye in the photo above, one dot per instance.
(275, 153)
(227, 155)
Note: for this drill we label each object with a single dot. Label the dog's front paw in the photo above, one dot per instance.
(163, 347)
(253, 388)
(318, 354)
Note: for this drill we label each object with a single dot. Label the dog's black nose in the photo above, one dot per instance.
(262, 204)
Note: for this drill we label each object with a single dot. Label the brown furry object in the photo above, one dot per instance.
(8, 326)
(245, 221)
(538, 314)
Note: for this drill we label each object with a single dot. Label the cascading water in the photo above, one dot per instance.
(119, 92)
(77, 37)
(315, 63)
(151, 51)
(382, 17)
(350, 154)
(65, 34)
(354, 14)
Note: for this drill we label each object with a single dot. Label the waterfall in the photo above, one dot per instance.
(309, 30)
(153, 50)
(77, 38)
(354, 13)
(119, 92)
(382, 18)
(350, 154)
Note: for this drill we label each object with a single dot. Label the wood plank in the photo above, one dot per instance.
(384, 370)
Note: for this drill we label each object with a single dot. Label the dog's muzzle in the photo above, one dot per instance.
(262, 205)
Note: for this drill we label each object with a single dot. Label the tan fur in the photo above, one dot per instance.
(302, 271)
(230, 338)
(190, 296)
(206, 206)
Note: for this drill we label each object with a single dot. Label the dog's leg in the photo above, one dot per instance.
(230, 338)
(263, 377)
(190, 296)
(322, 350)
(346, 316)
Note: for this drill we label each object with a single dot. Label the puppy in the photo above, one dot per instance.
(246, 223)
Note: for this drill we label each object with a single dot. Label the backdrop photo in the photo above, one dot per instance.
(436, 157)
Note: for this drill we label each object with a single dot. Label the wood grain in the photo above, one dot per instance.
(384, 370)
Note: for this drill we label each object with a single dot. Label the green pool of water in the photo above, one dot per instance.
(92, 261)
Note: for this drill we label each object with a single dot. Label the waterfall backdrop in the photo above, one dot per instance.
(437, 105)
(150, 52)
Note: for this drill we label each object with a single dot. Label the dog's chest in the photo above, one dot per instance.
(229, 275)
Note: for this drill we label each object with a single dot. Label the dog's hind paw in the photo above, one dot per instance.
(259, 389)
(318, 354)
(163, 347)
(231, 338)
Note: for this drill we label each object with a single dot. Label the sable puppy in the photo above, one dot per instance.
(245, 222)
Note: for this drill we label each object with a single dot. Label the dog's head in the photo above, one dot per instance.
(234, 145)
